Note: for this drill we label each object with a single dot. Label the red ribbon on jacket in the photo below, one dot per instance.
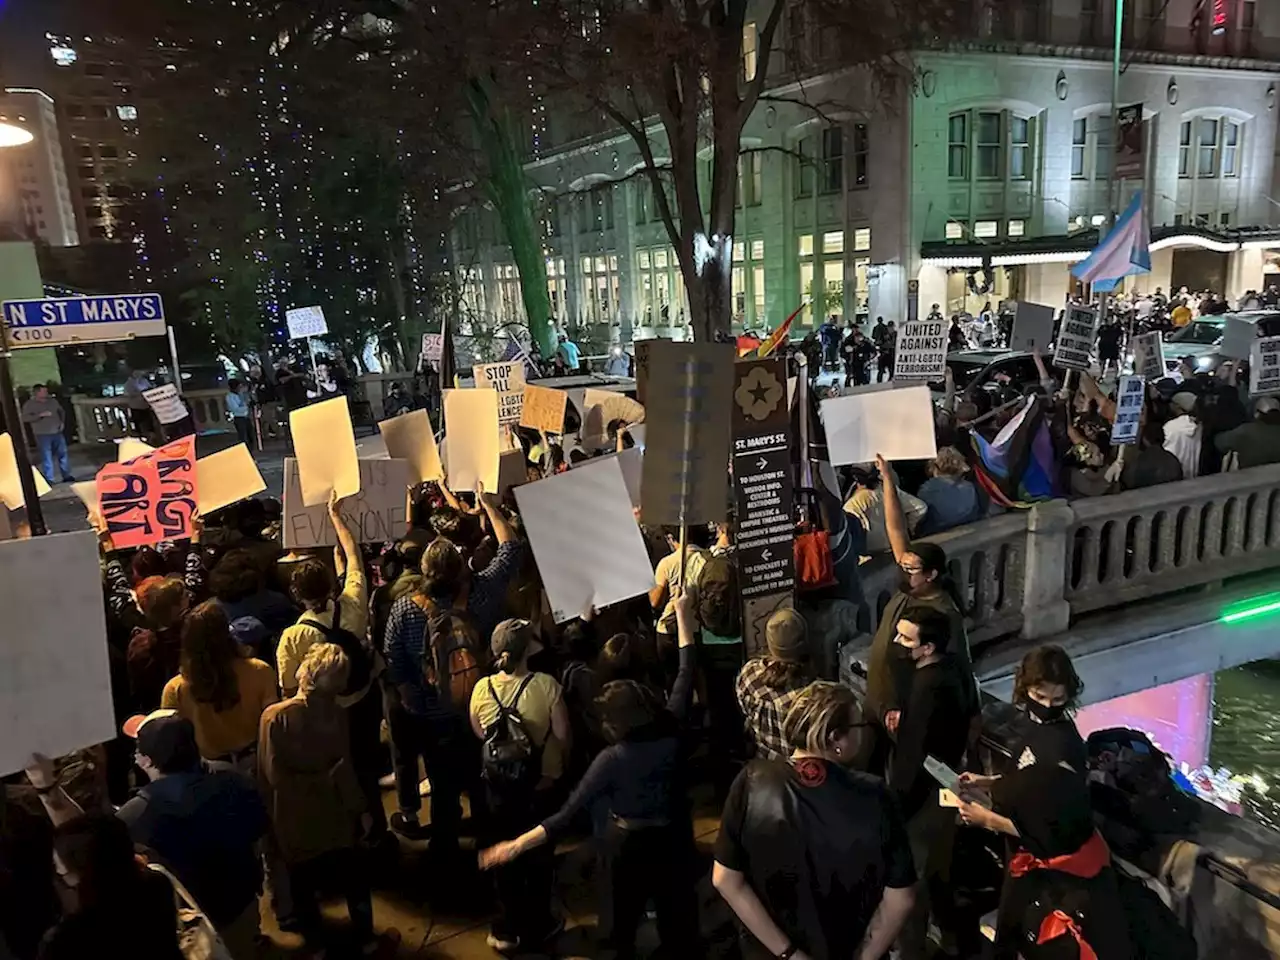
(1087, 862)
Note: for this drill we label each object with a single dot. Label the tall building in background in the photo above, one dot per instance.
(38, 171)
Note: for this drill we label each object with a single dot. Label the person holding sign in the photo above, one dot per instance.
(1042, 801)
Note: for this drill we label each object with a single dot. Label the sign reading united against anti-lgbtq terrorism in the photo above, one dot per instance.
(922, 351)
(686, 476)
(1148, 355)
(1130, 396)
(1075, 340)
(152, 498)
(44, 323)
(374, 515)
(508, 379)
(1264, 367)
(763, 486)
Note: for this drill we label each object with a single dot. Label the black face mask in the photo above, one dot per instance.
(1045, 714)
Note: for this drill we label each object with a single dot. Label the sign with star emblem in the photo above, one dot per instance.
(763, 486)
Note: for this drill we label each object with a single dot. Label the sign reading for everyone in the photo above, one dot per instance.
(43, 323)
(375, 514)
(763, 489)
(306, 322)
(1130, 397)
(152, 498)
(922, 351)
(1264, 367)
(1075, 341)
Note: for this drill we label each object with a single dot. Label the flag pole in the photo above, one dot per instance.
(1116, 190)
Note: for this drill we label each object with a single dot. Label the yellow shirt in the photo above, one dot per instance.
(535, 706)
(1181, 315)
(230, 731)
(298, 639)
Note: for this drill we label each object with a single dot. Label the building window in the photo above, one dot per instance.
(750, 179)
(1230, 148)
(127, 112)
(750, 42)
(958, 146)
(833, 242)
(1102, 163)
(986, 229)
(510, 302)
(832, 160)
(1019, 148)
(748, 283)
(1184, 149)
(822, 275)
(955, 231)
(1017, 228)
(661, 288)
(1209, 147)
(862, 239)
(600, 293)
(989, 143)
(643, 194)
(1207, 151)
(558, 288)
(85, 151)
(804, 165)
(1078, 138)
(806, 245)
(108, 152)
(860, 160)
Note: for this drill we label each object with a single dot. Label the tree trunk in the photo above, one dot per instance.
(708, 279)
(509, 191)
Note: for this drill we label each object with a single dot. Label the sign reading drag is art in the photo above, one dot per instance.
(151, 498)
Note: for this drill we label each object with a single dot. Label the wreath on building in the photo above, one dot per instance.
(981, 280)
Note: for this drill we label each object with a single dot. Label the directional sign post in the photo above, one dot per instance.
(48, 323)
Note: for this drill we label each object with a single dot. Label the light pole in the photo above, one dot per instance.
(1115, 189)
(14, 136)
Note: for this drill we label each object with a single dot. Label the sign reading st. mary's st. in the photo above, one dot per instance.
(45, 323)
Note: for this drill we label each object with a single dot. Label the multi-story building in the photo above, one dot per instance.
(36, 171)
(985, 180)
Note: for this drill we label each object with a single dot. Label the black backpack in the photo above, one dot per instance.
(509, 755)
(359, 656)
(719, 598)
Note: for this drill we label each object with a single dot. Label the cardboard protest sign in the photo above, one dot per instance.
(1264, 367)
(921, 351)
(55, 696)
(513, 470)
(1237, 338)
(226, 477)
(1032, 326)
(324, 445)
(11, 481)
(602, 407)
(585, 538)
(1074, 348)
(130, 448)
(151, 498)
(543, 409)
(643, 366)
(1148, 356)
(1130, 397)
(306, 322)
(376, 513)
(433, 346)
(410, 437)
(763, 482)
(508, 379)
(686, 479)
(471, 429)
(632, 463)
(165, 403)
(895, 423)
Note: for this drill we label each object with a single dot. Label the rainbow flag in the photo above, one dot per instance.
(779, 335)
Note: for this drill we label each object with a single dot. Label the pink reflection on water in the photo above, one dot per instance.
(1176, 716)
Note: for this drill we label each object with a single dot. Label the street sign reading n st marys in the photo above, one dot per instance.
(45, 323)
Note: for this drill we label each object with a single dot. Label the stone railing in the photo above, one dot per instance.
(106, 419)
(1029, 573)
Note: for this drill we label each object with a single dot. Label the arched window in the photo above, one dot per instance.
(990, 145)
(1209, 147)
(1091, 147)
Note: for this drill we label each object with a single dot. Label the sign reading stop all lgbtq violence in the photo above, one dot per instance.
(508, 379)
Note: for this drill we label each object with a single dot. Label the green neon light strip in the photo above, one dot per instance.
(1250, 613)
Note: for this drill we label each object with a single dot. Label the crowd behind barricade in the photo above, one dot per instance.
(265, 698)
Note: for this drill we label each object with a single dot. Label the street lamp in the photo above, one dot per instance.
(15, 136)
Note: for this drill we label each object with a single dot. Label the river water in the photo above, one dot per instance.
(1226, 721)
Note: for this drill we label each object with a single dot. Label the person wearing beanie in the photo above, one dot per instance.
(768, 685)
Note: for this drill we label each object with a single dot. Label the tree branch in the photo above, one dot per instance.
(764, 54)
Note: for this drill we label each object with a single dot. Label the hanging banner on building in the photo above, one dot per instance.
(1264, 367)
(1032, 326)
(1130, 396)
(306, 322)
(913, 301)
(762, 478)
(152, 498)
(1130, 161)
(1148, 356)
(1074, 348)
(922, 351)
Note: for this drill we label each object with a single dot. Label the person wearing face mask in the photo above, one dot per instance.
(1059, 881)
(936, 718)
(812, 856)
(923, 580)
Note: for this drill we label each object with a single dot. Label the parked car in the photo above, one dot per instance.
(1202, 338)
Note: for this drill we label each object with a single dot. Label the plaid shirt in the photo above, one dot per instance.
(764, 709)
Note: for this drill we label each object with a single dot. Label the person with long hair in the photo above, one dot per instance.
(813, 856)
(769, 684)
(1059, 881)
(221, 691)
(646, 840)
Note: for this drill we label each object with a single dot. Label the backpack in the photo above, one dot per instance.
(509, 756)
(358, 655)
(453, 658)
(719, 598)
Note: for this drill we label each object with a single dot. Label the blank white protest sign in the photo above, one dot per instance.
(55, 683)
(896, 423)
(585, 538)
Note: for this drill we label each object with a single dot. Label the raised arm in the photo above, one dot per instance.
(350, 550)
(502, 530)
(887, 922)
(895, 523)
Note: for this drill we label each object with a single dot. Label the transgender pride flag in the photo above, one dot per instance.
(1124, 251)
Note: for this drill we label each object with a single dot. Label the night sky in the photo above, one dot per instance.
(24, 54)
